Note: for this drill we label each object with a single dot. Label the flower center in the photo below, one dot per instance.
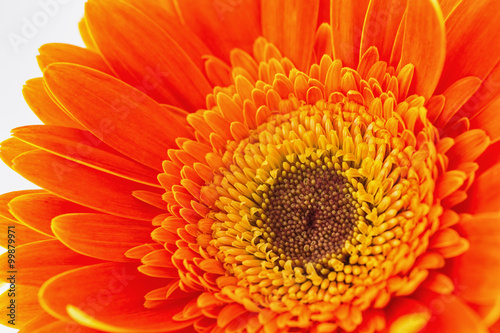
(319, 205)
(309, 213)
(317, 189)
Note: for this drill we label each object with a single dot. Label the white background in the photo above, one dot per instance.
(53, 21)
(18, 60)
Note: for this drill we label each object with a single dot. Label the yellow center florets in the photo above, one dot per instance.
(319, 190)
(320, 205)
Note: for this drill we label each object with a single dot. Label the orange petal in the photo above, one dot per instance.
(382, 22)
(487, 94)
(466, 44)
(38, 323)
(447, 6)
(434, 107)
(218, 72)
(397, 48)
(140, 251)
(439, 283)
(405, 315)
(59, 52)
(27, 306)
(489, 158)
(467, 148)
(159, 272)
(424, 44)
(324, 12)
(128, 112)
(450, 182)
(83, 147)
(483, 194)
(157, 65)
(489, 313)
(165, 15)
(101, 236)
(230, 313)
(159, 258)
(347, 20)
(444, 238)
(488, 121)
(84, 185)
(456, 96)
(450, 314)
(291, 26)
(219, 23)
(39, 261)
(7, 197)
(12, 148)
(24, 235)
(111, 301)
(37, 210)
(48, 324)
(323, 41)
(44, 107)
(495, 328)
(476, 270)
(85, 34)
(455, 250)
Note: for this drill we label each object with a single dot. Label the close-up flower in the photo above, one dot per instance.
(261, 166)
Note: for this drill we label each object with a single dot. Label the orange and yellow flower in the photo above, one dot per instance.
(262, 166)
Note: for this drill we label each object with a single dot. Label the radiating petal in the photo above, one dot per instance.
(489, 158)
(59, 52)
(89, 187)
(83, 147)
(467, 40)
(347, 20)
(45, 323)
(468, 147)
(382, 22)
(450, 314)
(484, 188)
(291, 26)
(5, 198)
(23, 234)
(424, 44)
(488, 121)
(219, 23)
(36, 324)
(39, 261)
(157, 65)
(118, 284)
(406, 315)
(11, 148)
(44, 107)
(456, 96)
(324, 12)
(495, 328)
(486, 96)
(127, 120)
(476, 270)
(85, 34)
(27, 306)
(165, 15)
(37, 210)
(101, 236)
(447, 6)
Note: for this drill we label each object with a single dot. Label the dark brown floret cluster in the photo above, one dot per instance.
(309, 213)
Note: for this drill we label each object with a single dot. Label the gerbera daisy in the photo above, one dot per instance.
(262, 166)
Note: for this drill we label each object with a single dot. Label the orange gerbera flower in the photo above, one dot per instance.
(262, 166)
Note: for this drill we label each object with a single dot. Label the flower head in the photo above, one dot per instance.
(274, 166)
